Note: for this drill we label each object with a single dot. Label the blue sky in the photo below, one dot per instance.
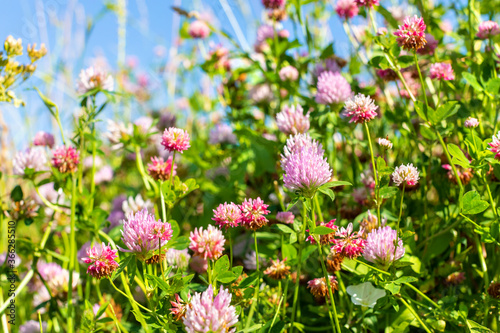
(61, 25)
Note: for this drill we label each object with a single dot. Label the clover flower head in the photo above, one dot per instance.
(292, 120)
(367, 3)
(379, 248)
(31, 158)
(370, 222)
(261, 93)
(295, 143)
(495, 145)
(143, 234)
(104, 174)
(319, 287)
(360, 109)
(65, 159)
(411, 34)
(92, 78)
(208, 314)
(222, 133)
(346, 9)
(253, 213)
(273, 4)
(328, 238)
(285, 217)
(179, 307)
(430, 46)
(44, 139)
(177, 258)
(333, 88)
(442, 71)
(208, 243)
(278, 269)
(387, 74)
(175, 139)
(102, 260)
(160, 169)
(117, 133)
(407, 174)
(289, 73)
(471, 122)
(349, 243)
(32, 326)
(384, 143)
(326, 65)
(199, 29)
(133, 205)
(250, 261)
(487, 29)
(227, 215)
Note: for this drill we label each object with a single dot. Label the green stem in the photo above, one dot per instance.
(137, 311)
(318, 207)
(257, 287)
(492, 202)
(375, 173)
(479, 248)
(399, 220)
(72, 255)
(60, 127)
(46, 202)
(140, 167)
(329, 288)
(415, 314)
(162, 198)
(422, 82)
(459, 182)
(92, 172)
(131, 299)
(299, 266)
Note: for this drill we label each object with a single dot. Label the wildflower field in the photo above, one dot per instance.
(271, 166)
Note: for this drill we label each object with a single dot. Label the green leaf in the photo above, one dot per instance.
(237, 270)
(458, 156)
(289, 251)
(221, 265)
(493, 86)
(104, 320)
(392, 287)
(249, 281)
(48, 103)
(328, 192)
(472, 203)
(471, 79)
(17, 194)
(123, 264)
(406, 61)
(284, 228)
(422, 110)
(179, 243)
(227, 277)
(336, 183)
(388, 191)
(478, 328)
(378, 62)
(387, 16)
(159, 282)
(322, 230)
(444, 111)
(101, 310)
(405, 279)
